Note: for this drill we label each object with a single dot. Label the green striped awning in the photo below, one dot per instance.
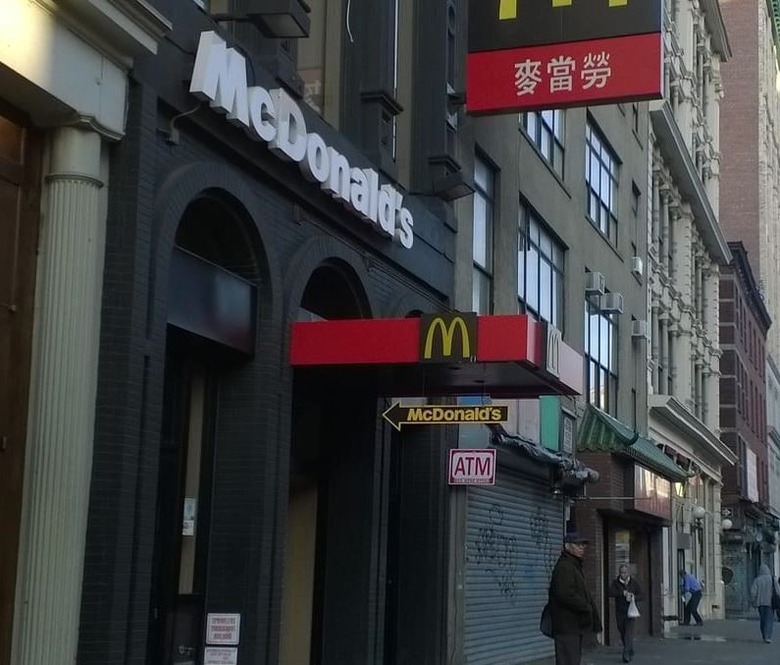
(600, 432)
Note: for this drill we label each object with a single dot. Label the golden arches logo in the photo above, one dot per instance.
(447, 337)
(509, 9)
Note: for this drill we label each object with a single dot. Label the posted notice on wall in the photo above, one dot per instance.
(220, 656)
(223, 629)
(189, 516)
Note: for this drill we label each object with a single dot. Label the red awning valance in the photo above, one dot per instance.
(444, 354)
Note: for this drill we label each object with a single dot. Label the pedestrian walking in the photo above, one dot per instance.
(762, 591)
(691, 590)
(573, 612)
(626, 590)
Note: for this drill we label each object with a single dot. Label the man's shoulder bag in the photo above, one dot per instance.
(545, 623)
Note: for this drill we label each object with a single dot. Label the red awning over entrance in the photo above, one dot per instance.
(443, 354)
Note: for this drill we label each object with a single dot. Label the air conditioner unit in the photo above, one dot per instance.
(612, 302)
(637, 267)
(595, 284)
(640, 329)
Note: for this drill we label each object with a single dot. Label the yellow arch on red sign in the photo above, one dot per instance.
(508, 9)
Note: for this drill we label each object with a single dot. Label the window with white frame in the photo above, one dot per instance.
(546, 129)
(484, 207)
(601, 356)
(539, 269)
(601, 176)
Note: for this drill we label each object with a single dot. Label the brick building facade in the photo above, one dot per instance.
(744, 323)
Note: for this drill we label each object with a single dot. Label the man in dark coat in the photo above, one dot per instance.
(574, 614)
(624, 589)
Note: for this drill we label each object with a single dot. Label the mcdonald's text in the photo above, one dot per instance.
(398, 415)
(272, 116)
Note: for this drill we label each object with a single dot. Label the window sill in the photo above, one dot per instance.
(605, 238)
(558, 177)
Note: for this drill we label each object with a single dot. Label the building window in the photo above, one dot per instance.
(545, 129)
(601, 177)
(601, 355)
(484, 206)
(311, 57)
(539, 270)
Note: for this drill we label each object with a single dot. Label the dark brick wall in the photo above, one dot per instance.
(293, 229)
(743, 382)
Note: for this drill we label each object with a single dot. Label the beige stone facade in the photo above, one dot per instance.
(769, 172)
(685, 251)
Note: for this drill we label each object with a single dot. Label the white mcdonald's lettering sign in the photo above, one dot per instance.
(272, 116)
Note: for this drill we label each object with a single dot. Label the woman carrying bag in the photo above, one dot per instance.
(626, 592)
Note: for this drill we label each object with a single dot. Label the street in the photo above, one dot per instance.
(716, 643)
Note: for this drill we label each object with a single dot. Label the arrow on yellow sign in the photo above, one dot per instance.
(429, 414)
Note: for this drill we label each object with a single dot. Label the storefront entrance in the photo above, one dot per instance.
(184, 497)
(330, 531)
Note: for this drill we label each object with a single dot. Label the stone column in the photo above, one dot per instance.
(655, 352)
(655, 221)
(683, 252)
(663, 384)
(62, 404)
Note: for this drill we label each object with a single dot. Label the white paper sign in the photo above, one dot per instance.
(220, 656)
(189, 517)
(752, 475)
(223, 629)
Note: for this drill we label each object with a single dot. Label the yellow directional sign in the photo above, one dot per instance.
(429, 414)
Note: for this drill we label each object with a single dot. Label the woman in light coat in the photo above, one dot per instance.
(764, 586)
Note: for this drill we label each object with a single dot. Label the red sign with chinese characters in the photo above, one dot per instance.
(566, 74)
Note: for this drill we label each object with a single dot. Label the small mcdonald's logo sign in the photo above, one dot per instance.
(448, 337)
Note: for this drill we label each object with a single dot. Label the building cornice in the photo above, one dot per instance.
(672, 411)
(120, 29)
(675, 153)
(744, 272)
(713, 18)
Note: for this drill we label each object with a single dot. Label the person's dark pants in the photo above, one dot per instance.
(692, 609)
(766, 621)
(568, 649)
(626, 629)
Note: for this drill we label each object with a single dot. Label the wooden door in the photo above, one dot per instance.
(19, 216)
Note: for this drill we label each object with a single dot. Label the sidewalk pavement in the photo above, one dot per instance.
(729, 642)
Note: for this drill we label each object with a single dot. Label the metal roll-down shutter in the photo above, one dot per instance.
(514, 535)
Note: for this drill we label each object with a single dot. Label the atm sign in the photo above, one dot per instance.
(472, 467)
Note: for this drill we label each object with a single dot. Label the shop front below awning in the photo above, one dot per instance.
(513, 356)
(600, 432)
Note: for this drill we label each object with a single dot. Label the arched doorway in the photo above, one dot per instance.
(327, 560)
(212, 304)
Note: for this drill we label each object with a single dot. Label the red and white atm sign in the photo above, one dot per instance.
(472, 467)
